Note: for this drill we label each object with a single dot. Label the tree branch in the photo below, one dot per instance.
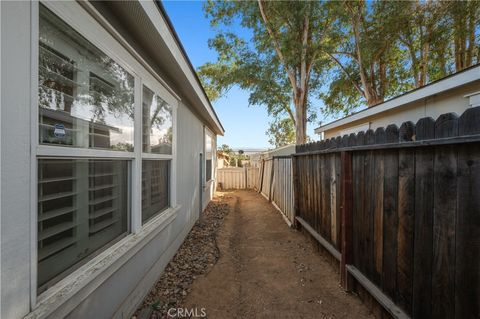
(290, 114)
(276, 45)
(359, 89)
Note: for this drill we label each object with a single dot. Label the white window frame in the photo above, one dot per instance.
(102, 36)
(159, 90)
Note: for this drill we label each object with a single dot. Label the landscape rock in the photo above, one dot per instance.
(198, 253)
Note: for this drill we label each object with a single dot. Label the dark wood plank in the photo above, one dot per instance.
(467, 232)
(295, 187)
(390, 215)
(379, 168)
(423, 239)
(347, 217)
(333, 199)
(368, 204)
(338, 169)
(444, 208)
(308, 189)
(359, 198)
(406, 215)
(317, 191)
(326, 211)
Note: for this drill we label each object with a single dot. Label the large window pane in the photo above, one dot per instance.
(82, 207)
(155, 187)
(157, 124)
(85, 98)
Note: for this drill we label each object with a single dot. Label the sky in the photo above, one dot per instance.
(245, 125)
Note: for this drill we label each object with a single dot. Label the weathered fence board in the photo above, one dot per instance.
(467, 238)
(252, 177)
(409, 210)
(237, 177)
(265, 187)
(423, 242)
(282, 189)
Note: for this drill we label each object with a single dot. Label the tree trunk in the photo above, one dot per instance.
(301, 119)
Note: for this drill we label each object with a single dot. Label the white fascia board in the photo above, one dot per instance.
(451, 82)
(163, 30)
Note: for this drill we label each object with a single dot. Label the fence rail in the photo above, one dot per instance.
(407, 202)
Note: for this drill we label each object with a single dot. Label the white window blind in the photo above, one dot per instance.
(81, 207)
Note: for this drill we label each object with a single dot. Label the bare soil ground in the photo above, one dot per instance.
(267, 270)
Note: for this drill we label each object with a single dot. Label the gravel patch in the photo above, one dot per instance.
(198, 253)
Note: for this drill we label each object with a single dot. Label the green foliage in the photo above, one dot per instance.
(348, 53)
(281, 132)
(225, 149)
(280, 65)
(385, 48)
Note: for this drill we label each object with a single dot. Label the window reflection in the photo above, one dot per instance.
(157, 124)
(85, 98)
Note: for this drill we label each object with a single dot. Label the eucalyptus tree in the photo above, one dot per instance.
(365, 55)
(281, 65)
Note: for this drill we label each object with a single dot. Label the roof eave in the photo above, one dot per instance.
(451, 82)
(195, 81)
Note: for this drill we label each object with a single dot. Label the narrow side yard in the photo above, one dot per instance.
(265, 270)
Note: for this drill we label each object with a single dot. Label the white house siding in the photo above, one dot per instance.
(15, 213)
(120, 295)
(450, 101)
(138, 260)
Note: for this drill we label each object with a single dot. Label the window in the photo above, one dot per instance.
(155, 187)
(157, 140)
(82, 205)
(157, 124)
(208, 157)
(85, 98)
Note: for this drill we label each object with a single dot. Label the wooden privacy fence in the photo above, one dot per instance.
(276, 185)
(237, 177)
(282, 186)
(400, 208)
(266, 176)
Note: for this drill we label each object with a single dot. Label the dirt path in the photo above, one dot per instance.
(267, 270)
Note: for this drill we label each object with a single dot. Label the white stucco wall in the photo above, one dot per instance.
(139, 259)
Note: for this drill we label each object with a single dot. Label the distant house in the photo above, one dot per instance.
(454, 93)
(107, 155)
(249, 151)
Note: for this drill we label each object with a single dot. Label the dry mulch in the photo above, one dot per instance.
(198, 253)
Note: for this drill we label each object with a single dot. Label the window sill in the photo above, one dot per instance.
(73, 289)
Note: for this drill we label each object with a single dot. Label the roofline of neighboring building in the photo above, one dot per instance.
(279, 148)
(187, 59)
(450, 82)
